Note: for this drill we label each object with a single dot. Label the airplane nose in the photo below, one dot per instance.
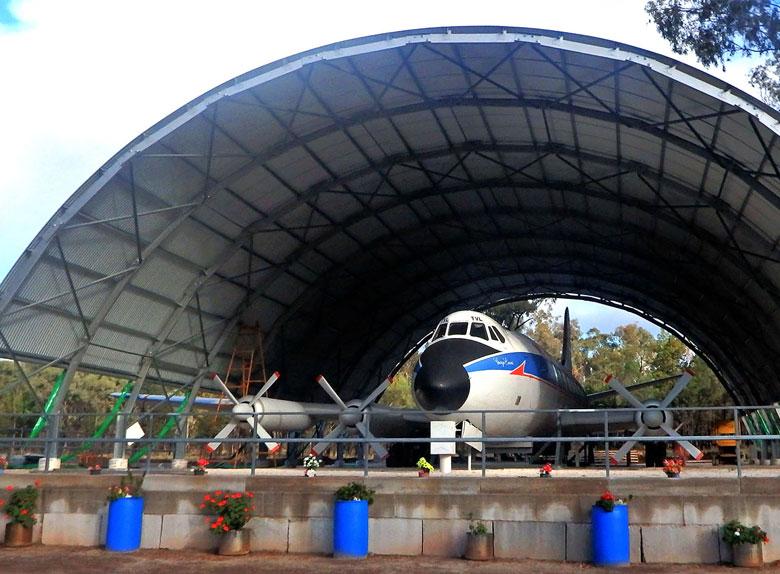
(441, 383)
(444, 387)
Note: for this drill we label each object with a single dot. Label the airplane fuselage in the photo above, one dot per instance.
(473, 363)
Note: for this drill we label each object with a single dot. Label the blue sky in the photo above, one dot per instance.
(87, 76)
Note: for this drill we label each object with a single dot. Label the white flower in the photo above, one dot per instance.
(736, 533)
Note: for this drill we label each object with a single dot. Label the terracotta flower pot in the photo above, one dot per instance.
(748, 555)
(423, 473)
(17, 534)
(234, 543)
(479, 546)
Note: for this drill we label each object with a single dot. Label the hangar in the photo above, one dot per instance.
(345, 198)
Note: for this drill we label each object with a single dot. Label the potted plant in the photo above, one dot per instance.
(233, 510)
(350, 521)
(200, 467)
(311, 463)
(545, 471)
(609, 531)
(746, 543)
(424, 468)
(96, 469)
(20, 510)
(479, 542)
(673, 467)
(125, 514)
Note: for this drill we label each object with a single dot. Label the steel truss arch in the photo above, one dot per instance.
(374, 158)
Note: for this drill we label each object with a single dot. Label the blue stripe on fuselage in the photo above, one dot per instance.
(535, 365)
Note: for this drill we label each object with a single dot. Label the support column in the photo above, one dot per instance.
(52, 460)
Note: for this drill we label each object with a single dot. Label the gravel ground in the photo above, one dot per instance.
(74, 560)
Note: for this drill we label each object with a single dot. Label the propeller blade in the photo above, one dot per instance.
(226, 430)
(378, 448)
(622, 452)
(268, 384)
(375, 393)
(264, 434)
(321, 446)
(323, 382)
(618, 387)
(678, 387)
(695, 453)
(226, 390)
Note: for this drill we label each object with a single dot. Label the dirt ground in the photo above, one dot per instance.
(75, 560)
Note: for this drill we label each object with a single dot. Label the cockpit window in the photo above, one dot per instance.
(440, 330)
(458, 328)
(497, 334)
(479, 330)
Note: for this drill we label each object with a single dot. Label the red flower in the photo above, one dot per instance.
(203, 505)
(607, 495)
(9, 488)
(37, 483)
(2, 502)
(213, 525)
(225, 528)
(250, 495)
(24, 511)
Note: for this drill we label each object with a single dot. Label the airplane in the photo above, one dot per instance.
(474, 363)
(469, 362)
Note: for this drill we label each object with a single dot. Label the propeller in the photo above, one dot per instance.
(352, 416)
(654, 416)
(244, 410)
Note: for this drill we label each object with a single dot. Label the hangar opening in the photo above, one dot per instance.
(346, 198)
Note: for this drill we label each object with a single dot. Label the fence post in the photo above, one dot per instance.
(606, 443)
(737, 431)
(484, 446)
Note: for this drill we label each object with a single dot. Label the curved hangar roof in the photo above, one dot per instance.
(347, 197)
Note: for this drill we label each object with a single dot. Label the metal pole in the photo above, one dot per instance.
(253, 462)
(559, 432)
(606, 443)
(738, 447)
(484, 448)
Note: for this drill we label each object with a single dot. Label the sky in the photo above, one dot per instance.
(82, 78)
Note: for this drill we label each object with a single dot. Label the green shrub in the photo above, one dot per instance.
(355, 491)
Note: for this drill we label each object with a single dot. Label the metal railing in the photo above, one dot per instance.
(761, 423)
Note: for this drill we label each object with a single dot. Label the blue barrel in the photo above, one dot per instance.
(350, 529)
(609, 536)
(124, 524)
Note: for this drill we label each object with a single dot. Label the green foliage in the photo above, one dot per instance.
(514, 313)
(477, 528)
(88, 393)
(233, 509)
(717, 30)
(129, 485)
(355, 491)
(423, 464)
(399, 393)
(734, 532)
(20, 506)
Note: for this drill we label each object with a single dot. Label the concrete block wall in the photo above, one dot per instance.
(671, 521)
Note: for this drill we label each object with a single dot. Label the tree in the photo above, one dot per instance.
(717, 30)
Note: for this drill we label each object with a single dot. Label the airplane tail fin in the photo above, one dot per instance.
(566, 350)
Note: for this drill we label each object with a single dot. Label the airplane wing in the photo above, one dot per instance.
(609, 392)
